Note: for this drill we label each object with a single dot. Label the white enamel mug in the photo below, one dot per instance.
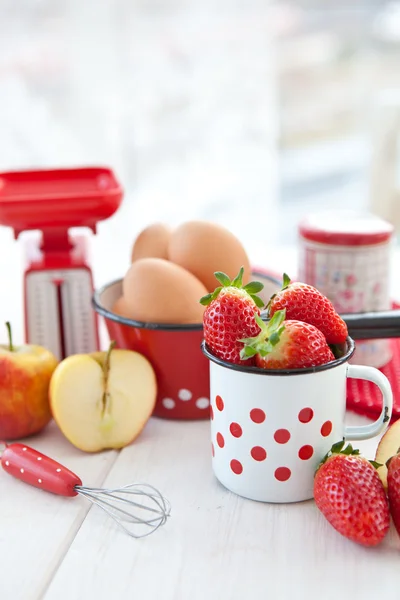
(270, 429)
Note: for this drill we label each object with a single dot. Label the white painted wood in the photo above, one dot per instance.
(217, 545)
(36, 528)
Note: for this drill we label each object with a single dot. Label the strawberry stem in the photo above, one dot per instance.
(10, 340)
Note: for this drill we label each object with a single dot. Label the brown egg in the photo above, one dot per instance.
(121, 308)
(159, 291)
(152, 242)
(203, 247)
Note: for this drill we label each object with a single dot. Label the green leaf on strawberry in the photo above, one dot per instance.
(286, 281)
(339, 448)
(238, 281)
(268, 337)
(222, 278)
(251, 288)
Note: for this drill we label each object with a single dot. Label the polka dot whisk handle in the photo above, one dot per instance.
(39, 470)
(138, 509)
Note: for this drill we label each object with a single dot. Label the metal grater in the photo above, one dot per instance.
(58, 282)
(59, 315)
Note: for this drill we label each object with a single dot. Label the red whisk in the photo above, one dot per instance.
(139, 509)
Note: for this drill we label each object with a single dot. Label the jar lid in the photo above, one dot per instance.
(346, 228)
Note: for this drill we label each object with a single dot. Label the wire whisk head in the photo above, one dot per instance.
(139, 509)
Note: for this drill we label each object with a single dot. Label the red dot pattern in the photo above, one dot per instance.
(257, 415)
(235, 430)
(236, 466)
(282, 473)
(305, 415)
(282, 436)
(306, 452)
(258, 453)
(326, 428)
(220, 440)
(219, 403)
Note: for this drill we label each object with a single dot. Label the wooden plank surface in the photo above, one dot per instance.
(217, 545)
(37, 528)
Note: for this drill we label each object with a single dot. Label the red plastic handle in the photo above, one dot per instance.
(39, 470)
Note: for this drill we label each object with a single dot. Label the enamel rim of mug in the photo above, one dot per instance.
(104, 312)
(279, 372)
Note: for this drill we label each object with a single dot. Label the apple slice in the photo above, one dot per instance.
(388, 446)
(104, 399)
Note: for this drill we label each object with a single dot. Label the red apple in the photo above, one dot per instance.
(25, 373)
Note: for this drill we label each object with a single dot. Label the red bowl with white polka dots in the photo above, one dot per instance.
(174, 351)
(270, 429)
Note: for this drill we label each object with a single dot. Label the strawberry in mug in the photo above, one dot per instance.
(286, 344)
(305, 303)
(230, 315)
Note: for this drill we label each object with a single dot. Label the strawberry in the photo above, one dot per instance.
(229, 315)
(304, 302)
(393, 488)
(286, 344)
(349, 493)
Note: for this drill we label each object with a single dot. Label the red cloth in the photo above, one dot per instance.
(364, 397)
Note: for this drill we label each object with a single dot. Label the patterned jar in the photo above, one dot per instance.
(346, 255)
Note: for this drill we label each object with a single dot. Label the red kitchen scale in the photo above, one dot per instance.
(58, 281)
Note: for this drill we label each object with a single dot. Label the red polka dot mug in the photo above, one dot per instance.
(270, 429)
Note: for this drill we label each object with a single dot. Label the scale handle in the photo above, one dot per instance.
(38, 470)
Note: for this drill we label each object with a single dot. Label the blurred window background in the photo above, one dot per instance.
(339, 76)
(250, 113)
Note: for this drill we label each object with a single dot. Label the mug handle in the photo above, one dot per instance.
(364, 432)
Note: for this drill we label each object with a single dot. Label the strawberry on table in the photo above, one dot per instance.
(393, 490)
(285, 344)
(229, 315)
(349, 493)
(304, 302)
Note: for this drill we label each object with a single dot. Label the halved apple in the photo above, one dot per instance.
(388, 446)
(104, 399)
